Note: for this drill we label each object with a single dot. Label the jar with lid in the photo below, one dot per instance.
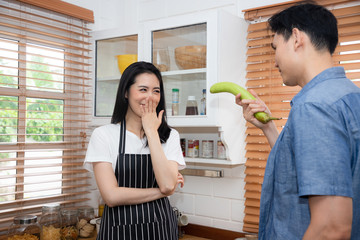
(50, 222)
(69, 219)
(86, 229)
(207, 148)
(24, 227)
(191, 106)
(175, 101)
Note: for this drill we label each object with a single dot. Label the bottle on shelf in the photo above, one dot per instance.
(203, 103)
(191, 106)
(175, 101)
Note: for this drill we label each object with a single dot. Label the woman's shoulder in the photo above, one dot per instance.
(174, 133)
(106, 129)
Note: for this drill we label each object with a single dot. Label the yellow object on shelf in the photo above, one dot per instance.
(125, 60)
(101, 209)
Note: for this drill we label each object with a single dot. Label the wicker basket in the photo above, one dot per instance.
(189, 57)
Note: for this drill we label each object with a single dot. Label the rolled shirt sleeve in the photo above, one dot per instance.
(322, 151)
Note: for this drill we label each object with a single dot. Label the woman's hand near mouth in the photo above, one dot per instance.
(150, 120)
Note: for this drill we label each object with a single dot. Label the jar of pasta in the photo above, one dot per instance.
(69, 219)
(50, 222)
(24, 227)
(86, 229)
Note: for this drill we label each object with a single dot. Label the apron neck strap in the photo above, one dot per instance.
(122, 137)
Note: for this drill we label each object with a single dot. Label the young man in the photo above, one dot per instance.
(311, 187)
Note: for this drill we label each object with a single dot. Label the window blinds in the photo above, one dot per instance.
(45, 105)
(265, 79)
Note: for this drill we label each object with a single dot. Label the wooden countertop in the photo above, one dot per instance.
(92, 238)
(185, 237)
(189, 237)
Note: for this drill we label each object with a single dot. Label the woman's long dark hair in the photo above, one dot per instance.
(121, 104)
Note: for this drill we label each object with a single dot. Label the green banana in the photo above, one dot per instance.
(236, 89)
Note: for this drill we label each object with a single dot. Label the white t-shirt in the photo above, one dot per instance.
(104, 146)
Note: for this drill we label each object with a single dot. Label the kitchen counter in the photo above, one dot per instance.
(185, 237)
(93, 238)
(189, 237)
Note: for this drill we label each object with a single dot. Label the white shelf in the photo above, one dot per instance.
(179, 72)
(215, 161)
(109, 78)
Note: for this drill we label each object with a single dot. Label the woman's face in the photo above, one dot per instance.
(146, 87)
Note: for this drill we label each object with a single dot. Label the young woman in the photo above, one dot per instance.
(136, 160)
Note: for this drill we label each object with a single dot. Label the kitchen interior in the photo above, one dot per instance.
(194, 43)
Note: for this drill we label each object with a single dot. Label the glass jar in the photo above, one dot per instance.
(69, 219)
(191, 106)
(24, 227)
(86, 229)
(175, 101)
(207, 148)
(50, 222)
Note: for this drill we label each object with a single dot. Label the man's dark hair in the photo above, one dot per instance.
(315, 20)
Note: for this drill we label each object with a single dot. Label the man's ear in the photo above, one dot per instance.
(298, 38)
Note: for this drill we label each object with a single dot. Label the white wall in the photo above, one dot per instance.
(216, 202)
(115, 13)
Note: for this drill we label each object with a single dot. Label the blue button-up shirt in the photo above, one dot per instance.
(317, 153)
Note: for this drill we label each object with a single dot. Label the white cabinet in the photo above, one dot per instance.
(215, 51)
(109, 45)
(223, 36)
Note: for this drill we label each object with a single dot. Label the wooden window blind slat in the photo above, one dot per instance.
(70, 54)
(340, 13)
(80, 28)
(43, 158)
(259, 42)
(348, 38)
(252, 202)
(252, 210)
(45, 108)
(46, 72)
(255, 163)
(265, 12)
(253, 195)
(34, 23)
(29, 30)
(253, 187)
(65, 180)
(259, 147)
(255, 171)
(44, 64)
(48, 189)
(256, 139)
(43, 199)
(256, 155)
(39, 40)
(65, 8)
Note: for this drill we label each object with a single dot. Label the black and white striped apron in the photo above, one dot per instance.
(153, 220)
